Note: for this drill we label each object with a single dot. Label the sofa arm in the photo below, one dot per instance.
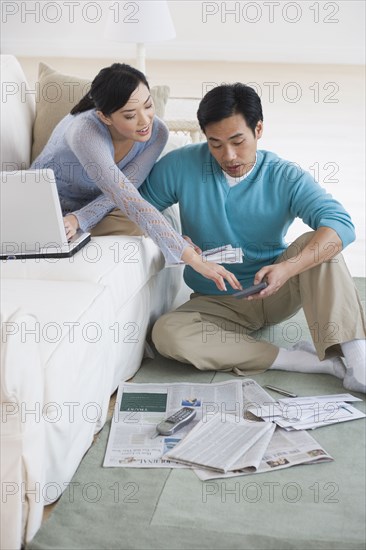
(17, 116)
(22, 432)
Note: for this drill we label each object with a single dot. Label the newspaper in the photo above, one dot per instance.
(285, 449)
(304, 413)
(140, 407)
(253, 443)
(220, 442)
(255, 398)
(225, 254)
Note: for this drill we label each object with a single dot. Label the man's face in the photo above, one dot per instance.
(232, 143)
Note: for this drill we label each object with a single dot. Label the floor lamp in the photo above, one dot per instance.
(140, 22)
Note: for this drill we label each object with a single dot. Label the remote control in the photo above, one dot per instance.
(175, 422)
(250, 290)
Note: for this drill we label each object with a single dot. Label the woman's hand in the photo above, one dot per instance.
(195, 247)
(210, 270)
(71, 225)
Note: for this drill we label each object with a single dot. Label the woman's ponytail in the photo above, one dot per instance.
(85, 104)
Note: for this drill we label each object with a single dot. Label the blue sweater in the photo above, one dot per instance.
(255, 214)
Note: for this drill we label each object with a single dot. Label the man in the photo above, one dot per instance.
(230, 192)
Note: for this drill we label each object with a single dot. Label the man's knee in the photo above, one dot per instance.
(162, 332)
(295, 248)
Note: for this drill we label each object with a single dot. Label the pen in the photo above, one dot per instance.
(346, 408)
(214, 250)
(279, 390)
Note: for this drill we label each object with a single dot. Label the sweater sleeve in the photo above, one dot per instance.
(136, 171)
(90, 146)
(317, 208)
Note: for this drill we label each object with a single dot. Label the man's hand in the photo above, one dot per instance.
(210, 270)
(324, 245)
(71, 225)
(275, 275)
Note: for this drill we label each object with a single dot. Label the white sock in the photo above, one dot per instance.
(355, 355)
(302, 357)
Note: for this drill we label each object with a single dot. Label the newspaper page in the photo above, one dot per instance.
(257, 403)
(225, 254)
(220, 442)
(304, 413)
(140, 407)
(285, 449)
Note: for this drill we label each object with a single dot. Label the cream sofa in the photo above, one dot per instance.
(72, 329)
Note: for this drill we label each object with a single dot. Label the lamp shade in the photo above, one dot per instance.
(142, 21)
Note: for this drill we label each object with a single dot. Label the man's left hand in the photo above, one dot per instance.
(275, 275)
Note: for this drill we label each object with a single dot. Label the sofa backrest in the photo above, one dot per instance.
(17, 116)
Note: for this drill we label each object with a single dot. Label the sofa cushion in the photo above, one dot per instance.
(55, 306)
(17, 116)
(123, 264)
(57, 94)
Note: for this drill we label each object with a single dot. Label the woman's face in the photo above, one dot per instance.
(134, 120)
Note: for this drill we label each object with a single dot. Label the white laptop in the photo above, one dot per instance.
(31, 223)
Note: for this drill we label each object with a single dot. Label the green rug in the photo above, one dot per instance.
(305, 507)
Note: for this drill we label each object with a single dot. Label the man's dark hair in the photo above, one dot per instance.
(227, 100)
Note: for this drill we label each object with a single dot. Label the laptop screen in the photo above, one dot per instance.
(31, 217)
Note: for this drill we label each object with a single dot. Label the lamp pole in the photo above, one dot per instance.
(141, 57)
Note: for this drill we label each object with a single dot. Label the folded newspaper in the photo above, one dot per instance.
(225, 254)
(285, 449)
(220, 442)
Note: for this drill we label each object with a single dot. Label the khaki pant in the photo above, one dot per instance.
(116, 223)
(213, 332)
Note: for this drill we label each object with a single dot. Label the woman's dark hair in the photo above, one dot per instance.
(227, 100)
(111, 89)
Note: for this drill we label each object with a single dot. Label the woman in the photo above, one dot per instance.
(102, 152)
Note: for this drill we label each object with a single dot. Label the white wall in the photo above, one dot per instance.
(305, 31)
(321, 130)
